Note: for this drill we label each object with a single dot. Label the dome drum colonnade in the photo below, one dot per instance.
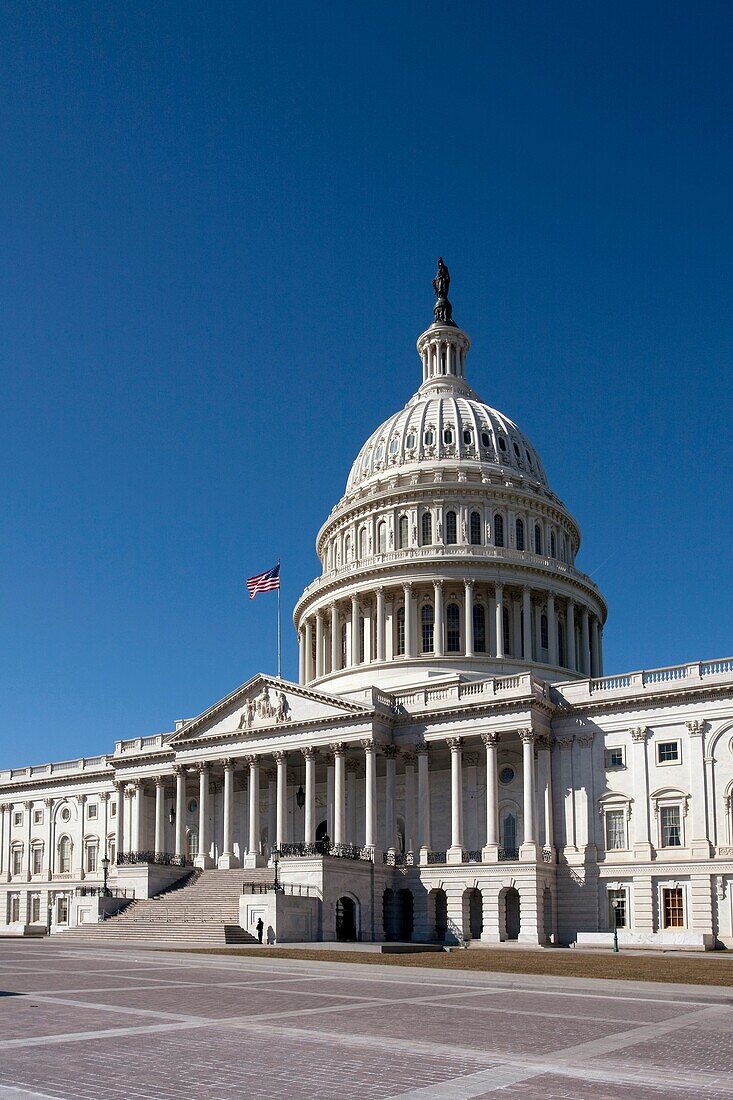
(448, 547)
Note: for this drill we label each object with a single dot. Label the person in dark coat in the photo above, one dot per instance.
(260, 929)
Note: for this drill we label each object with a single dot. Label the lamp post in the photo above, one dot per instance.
(105, 871)
(49, 914)
(615, 906)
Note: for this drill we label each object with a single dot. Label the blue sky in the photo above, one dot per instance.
(219, 225)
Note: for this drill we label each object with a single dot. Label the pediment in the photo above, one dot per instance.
(264, 705)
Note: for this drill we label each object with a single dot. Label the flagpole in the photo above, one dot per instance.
(279, 630)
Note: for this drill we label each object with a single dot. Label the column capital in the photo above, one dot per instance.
(390, 751)
(227, 763)
(280, 756)
(179, 769)
(565, 742)
(407, 586)
(408, 758)
(159, 781)
(203, 766)
(308, 751)
(369, 744)
(48, 802)
(252, 761)
(103, 796)
(338, 748)
(586, 738)
(438, 582)
(490, 738)
(29, 805)
(639, 734)
(130, 792)
(422, 748)
(469, 582)
(455, 744)
(527, 735)
(696, 728)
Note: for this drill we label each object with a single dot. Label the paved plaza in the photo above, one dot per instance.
(94, 1022)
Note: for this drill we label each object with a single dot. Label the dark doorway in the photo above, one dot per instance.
(511, 902)
(547, 913)
(475, 914)
(390, 916)
(322, 830)
(406, 914)
(346, 919)
(440, 910)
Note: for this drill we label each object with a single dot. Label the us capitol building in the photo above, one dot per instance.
(453, 763)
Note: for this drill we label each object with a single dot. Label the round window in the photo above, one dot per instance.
(193, 805)
(506, 775)
(65, 813)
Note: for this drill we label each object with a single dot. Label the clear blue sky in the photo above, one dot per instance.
(219, 224)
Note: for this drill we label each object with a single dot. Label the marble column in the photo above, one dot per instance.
(308, 651)
(390, 831)
(699, 842)
(159, 815)
(281, 811)
(335, 639)
(438, 630)
(137, 813)
(354, 631)
(409, 639)
(339, 800)
(455, 852)
(380, 625)
(330, 785)
(410, 805)
(319, 645)
(180, 849)
(499, 611)
(585, 643)
(301, 657)
(423, 802)
(203, 859)
(640, 817)
(468, 615)
(527, 623)
(253, 847)
(352, 768)
(226, 859)
(545, 772)
(490, 852)
(570, 635)
(551, 629)
(370, 759)
(565, 748)
(528, 850)
(309, 754)
(119, 825)
(271, 775)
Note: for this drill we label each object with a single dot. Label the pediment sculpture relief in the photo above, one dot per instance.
(265, 708)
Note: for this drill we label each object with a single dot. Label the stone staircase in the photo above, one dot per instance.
(201, 912)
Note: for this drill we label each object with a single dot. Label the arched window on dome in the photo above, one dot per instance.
(347, 549)
(537, 539)
(505, 631)
(343, 645)
(362, 635)
(64, 852)
(498, 529)
(485, 440)
(448, 437)
(427, 622)
(467, 437)
(565, 550)
(382, 538)
(393, 445)
(400, 639)
(426, 529)
(410, 441)
(452, 628)
(429, 437)
(519, 533)
(451, 529)
(403, 533)
(479, 628)
(553, 545)
(362, 543)
(560, 644)
(475, 529)
(544, 633)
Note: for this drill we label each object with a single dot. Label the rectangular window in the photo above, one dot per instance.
(18, 817)
(669, 817)
(674, 913)
(617, 901)
(62, 909)
(17, 861)
(668, 752)
(37, 866)
(38, 817)
(113, 809)
(35, 908)
(615, 757)
(92, 858)
(92, 811)
(13, 908)
(615, 829)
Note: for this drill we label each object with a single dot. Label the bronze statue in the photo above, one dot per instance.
(443, 310)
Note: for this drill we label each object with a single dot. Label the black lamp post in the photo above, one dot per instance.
(615, 906)
(105, 872)
(172, 816)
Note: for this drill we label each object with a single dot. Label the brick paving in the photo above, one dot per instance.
(95, 1022)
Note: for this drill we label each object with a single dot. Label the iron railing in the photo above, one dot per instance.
(508, 854)
(164, 859)
(398, 859)
(324, 848)
(436, 857)
(100, 892)
(471, 855)
(292, 889)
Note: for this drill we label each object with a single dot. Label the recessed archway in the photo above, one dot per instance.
(347, 919)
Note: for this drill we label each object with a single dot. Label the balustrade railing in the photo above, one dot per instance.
(436, 857)
(324, 848)
(100, 892)
(471, 855)
(292, 889)
(508, 854)
(163, 859)
(398, 859)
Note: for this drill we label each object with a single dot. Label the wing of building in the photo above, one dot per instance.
(453, 764)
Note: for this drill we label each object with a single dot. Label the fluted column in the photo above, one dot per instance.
(529, 846)
(119, 825)
(439, 631)
(699, 842)
(319, 645)
(339, 796)
(570, 635)
(595, 647)
(159, 812)
(468, 615)
(226, 859)
(335, 639)
(203, 858)
(640, 818)
(409, 639)
(390, 784)
(380, 625)
(354, 660)
(455, 852)
(352, 832)
(491, 848)
(308, 651)
(545, 772)
(301, 657)
(281, 812)
(585, 643)
(410, 807)
(370, 759)
(527, 623)
(551, 629)
(499, 609)
(137, 813)
(180, 843)
(253, 848)
(309, 754)
(423, 802)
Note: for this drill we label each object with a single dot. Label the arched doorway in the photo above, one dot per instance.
(438, 911)
(322, 830)
(512, 914)
(406, 914)
(346, 929)
(390, 921)
(473, 916)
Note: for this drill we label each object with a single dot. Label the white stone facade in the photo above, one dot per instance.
(453, 736)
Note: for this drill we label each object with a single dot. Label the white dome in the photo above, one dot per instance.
(452, 426)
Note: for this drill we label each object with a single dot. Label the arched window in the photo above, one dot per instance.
(429, 437)
(467, 437)
(362, 633)
(451, 529)
(403, 533)
(427, 618)
(452, 628)
(544, 633)
(498, 530)
(347, 549)
(553, 546)
(382, 538)
(448, 436)
(192, 843)
(343, 645)
(479, 628)
(565, 550)
(400, 631)
(505, 629)
(519, 532)
(362, 544)
(64, 855)
(537, 539)
(475, 528)
(509, 831)
(426, 529)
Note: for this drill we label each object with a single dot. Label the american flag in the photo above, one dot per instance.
(264, 582)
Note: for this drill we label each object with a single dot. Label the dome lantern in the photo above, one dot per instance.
(443, 346)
